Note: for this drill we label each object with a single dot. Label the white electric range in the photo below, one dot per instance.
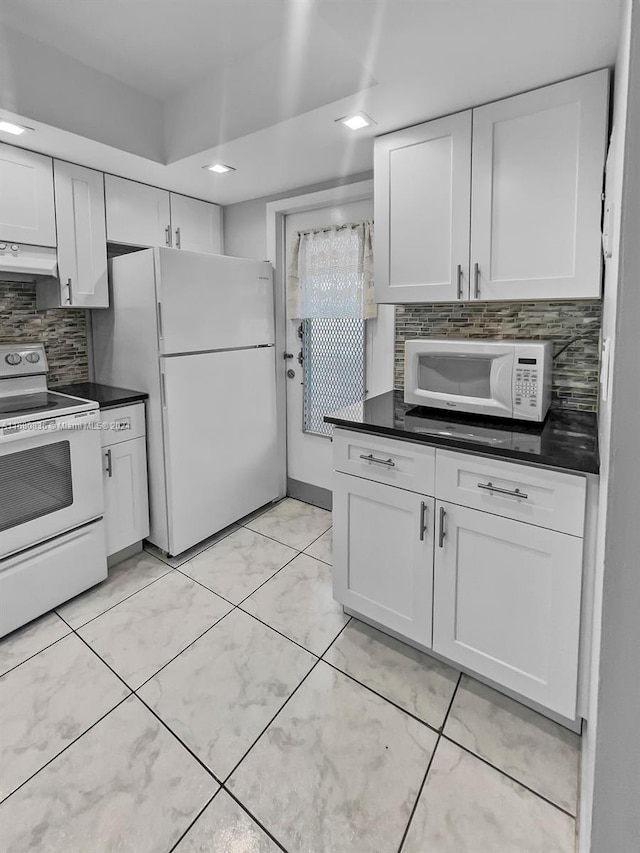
(51, 505)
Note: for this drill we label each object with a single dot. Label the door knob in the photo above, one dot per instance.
(291, 374)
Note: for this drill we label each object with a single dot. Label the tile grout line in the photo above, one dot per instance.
(235, 798)
(43, 649)
(508, 776)
(380, 696)
(196, 819)
(255, 741)
(133, 692)
(430, 762)
(69, 745)
(126, 598)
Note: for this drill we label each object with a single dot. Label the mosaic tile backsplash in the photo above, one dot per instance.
(575, 372)
(63, 332)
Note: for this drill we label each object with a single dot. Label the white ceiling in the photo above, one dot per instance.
(157, 46)
(258, 84)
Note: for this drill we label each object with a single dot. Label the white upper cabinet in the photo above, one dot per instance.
(422, 201)
(538, 163)
(26, 197)
(137, 214)
(529, 186)
(82, 246)
(196, 225)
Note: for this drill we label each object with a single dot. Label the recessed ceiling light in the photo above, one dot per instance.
(220, 168)
(357, 121)
(15, 129)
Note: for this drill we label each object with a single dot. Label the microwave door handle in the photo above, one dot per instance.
(502, 382)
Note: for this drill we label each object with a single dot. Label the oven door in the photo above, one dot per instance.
(51, 479)
(464, 376)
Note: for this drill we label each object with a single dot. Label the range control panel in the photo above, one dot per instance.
(22, 360)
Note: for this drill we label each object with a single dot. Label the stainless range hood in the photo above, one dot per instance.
(19, 262)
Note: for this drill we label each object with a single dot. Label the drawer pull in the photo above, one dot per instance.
(443, 532)
(423, 520)
(372, 458)
(489, 487)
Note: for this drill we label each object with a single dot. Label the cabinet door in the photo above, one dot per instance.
(538, 163)
(383, 555)
(137, 214)
(26, 197)
(82, 239)
(126, 501)
(197, 225)
(507, 603)
(422, 210)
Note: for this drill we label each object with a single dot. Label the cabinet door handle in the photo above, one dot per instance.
(178, 238)
(459, 281)
(167, 236)
(372, 458)
(476, 281)
(514, 493)
(442, 533)
(423, 520)
(69, 294)
(109, 468)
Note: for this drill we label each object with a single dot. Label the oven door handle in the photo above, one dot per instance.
(109, 468)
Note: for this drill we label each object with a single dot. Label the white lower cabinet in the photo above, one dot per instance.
(383, 554)
(506, 603)
(126, 500)
(497, 595)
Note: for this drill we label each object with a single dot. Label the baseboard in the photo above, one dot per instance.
(127, 552)
(315, 495)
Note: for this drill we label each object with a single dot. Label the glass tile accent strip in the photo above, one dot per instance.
(333, 351)
(35, 482)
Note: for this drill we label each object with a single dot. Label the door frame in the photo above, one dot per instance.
(276, 212)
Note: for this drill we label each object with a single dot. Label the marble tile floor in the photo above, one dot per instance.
(221, 702)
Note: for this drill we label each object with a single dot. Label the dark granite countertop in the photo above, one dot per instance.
(106, 396)
(567, 440)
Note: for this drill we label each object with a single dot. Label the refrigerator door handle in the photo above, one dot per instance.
(163, 391)
(160, 335)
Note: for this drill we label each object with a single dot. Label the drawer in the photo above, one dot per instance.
(385, 460)
(546, 498)
(122, 423)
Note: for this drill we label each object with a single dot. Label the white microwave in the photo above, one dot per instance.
(506, 379)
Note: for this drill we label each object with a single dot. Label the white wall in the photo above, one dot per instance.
(610, 814)
(245, 223)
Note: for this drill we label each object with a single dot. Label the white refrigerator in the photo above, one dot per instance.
(196, 332)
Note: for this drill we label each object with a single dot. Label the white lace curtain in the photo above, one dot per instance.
(331, 273)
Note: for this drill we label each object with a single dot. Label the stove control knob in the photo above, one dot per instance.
(13, 358)
(33, 357)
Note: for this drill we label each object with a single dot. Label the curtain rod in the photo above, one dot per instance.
(335, 227)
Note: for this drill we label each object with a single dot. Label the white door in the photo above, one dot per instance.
(538, 167)
(383, 554)
(82, 249)
(208, 302)
(220, 438)
(197, 225)
(507, 603)
(126, 501)
(309, 458)
(137, 214)
(422, 191)
(26, 197)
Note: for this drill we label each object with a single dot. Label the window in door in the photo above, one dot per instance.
(333, 351)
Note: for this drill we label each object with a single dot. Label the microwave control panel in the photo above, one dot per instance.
(525, 387)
